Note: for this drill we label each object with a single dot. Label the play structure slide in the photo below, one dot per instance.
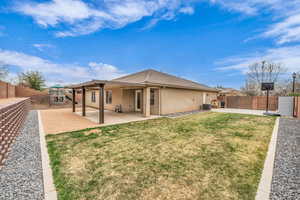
(70, 98)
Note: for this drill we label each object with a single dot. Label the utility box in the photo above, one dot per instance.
(285, 106)
(206, 107)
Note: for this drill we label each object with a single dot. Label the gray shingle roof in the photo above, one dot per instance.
(153, 77)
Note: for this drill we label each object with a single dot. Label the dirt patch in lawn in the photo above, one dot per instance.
(200, 156)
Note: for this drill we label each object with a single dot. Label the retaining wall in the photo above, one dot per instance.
(12, 117)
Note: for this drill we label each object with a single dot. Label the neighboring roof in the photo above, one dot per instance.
(229, 90)
(153, 77)
(149, 77)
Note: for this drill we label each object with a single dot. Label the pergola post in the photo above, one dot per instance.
(101, 104)
(83, 101)
(73, 99)
(146, 102)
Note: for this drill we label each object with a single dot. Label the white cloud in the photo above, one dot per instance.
(62, 73)
(286, 16)
(79, 17)
(42, 47)
(53, 12)
(187, 10)
(287, 30)
(85, 17)
(289, 57)
(105, 70)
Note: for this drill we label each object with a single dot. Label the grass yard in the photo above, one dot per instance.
(201, 156)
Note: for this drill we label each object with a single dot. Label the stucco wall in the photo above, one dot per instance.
(154, 109)
(171, 100)
(180, 100)
(209, 96)
(128, 100)
(116, 98)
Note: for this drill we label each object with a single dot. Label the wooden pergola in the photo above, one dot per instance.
(96, 84)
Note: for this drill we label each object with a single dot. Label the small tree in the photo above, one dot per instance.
(250, 89)
(32, 79)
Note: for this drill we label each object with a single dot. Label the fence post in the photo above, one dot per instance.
(6, 90)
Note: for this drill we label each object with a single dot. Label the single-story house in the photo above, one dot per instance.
(149, 92)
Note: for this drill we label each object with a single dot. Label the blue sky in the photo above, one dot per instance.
(209, 41)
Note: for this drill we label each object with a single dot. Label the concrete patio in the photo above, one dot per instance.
(115, 118)
(64, 120)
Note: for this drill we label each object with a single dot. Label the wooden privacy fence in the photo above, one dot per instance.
(12, 117)
(251, 102)
(297, 107)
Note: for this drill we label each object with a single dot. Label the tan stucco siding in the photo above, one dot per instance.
(116, 98)
(180, 100)
(154, 109)
(210, 96)
(128, 100)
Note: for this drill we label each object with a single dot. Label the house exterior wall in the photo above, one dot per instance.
(116, 98)
(167, 100)
(154, 109)
(210, 96)
(128, 100)
(182, 100)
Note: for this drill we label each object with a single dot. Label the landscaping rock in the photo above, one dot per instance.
(286, 174)
(21, 176)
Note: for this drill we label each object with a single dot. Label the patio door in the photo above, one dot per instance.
(138, 100)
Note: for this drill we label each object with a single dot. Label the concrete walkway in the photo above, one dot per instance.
(239, 111)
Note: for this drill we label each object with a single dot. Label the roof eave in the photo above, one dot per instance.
(95, 83)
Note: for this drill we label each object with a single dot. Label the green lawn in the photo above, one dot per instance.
(201, 156)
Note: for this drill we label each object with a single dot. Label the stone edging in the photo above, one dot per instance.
(264, 187)
(49, 188)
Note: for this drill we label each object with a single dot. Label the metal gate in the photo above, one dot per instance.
(285, 106)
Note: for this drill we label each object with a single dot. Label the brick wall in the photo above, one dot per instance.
(12, 117)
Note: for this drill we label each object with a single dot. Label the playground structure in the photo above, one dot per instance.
(59, 95)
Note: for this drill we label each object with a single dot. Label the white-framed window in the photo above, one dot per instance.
(108, 96)
(93, 97)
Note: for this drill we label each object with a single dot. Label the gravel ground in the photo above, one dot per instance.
(21, 177)
(286, 174)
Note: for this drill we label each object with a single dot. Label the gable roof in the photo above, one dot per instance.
(153, 77)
